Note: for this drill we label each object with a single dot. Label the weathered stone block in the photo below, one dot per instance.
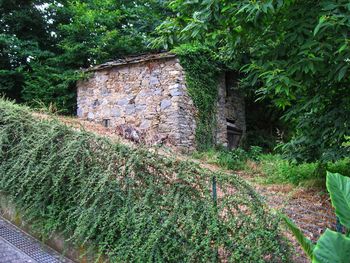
(96, 103)
(80, 112)
(123, 101)
(175, 93)
(165, 104)
(154, 80)
(90, 116)
(130, 109)
(145, 124)
(115, 113)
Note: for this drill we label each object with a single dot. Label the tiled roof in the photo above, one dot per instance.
(132, 60)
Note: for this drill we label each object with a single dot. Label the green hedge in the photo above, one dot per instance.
(130, 204)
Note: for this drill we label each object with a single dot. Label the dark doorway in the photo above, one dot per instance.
(234, 135)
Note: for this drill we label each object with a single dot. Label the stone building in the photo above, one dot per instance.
(148, 93)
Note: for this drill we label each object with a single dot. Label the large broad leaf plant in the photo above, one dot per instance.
(332, 246)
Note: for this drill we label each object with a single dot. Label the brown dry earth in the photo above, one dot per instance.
(309, 208)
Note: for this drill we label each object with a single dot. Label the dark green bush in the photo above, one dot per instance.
(235, 159)
(131, 204)
(279, 170)
(341, 166)
(232, 160)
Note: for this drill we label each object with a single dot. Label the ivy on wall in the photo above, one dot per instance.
(202, 73)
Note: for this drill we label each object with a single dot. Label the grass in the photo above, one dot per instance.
(278, 170)
(273, 168)
(228, 159)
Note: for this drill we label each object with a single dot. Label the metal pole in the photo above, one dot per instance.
(214, 190)
(216, 251)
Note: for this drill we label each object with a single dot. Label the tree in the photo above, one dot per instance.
(102, 30)
(23, 36)
(45, 44)
(296, 53)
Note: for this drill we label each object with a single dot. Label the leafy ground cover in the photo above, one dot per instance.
(308, 207)
(273, 168)
(130, 204)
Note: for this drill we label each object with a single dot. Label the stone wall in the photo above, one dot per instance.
(221, 127)
(150, 96)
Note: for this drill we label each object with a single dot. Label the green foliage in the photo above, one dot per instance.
(229, 159)
(295, 53)
(255, 153)
(339, 188)
(102, 30)
(202, 74)
(22, 36)
(232, 160)
(44, 43)
(267, 130)
(304, 242)
(331, 246)
(277, 169)
(346, 144)
(131, 204)
(47, 84)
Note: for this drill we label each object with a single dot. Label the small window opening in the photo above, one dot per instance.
(234, 134)
(106, 122)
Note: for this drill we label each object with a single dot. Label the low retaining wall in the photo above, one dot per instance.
(56, 241)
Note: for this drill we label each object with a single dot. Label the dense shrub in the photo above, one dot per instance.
(279, 170)
(234, 159)
(133, 205)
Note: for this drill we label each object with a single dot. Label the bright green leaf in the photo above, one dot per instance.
(342, 48)
(342, 73)
(332, 247)
(304, 242)
(339, 189)
(319, 25)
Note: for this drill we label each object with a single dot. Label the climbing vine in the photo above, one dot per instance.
(131, 204)
(202, 73)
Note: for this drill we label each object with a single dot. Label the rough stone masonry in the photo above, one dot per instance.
(147, 93)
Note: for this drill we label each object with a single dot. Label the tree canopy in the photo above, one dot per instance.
(296, 53)
(293, 53)
(43, 44)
